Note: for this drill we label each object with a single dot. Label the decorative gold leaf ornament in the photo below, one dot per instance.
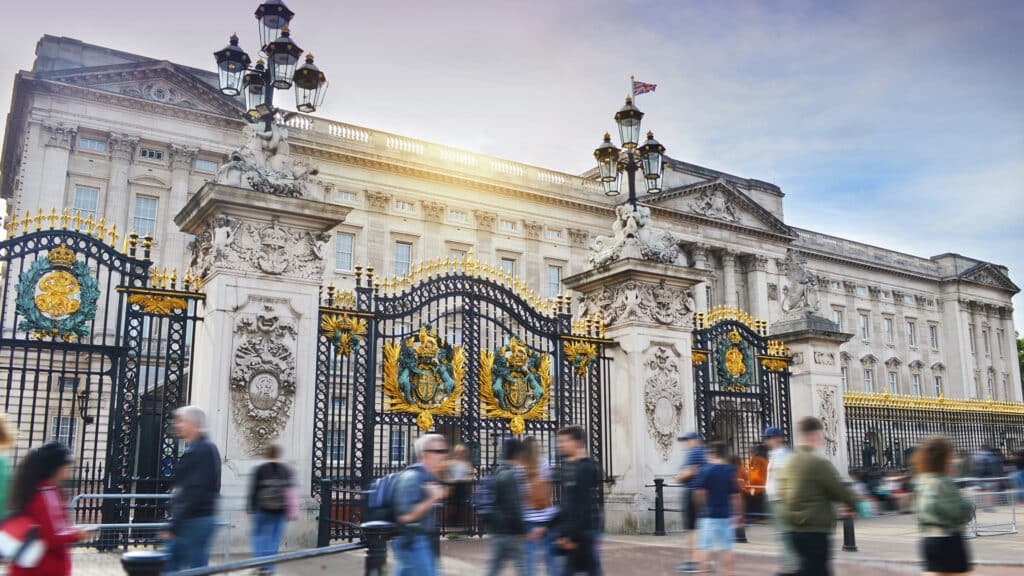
(423, 376)
(515, 384)
(158, 304)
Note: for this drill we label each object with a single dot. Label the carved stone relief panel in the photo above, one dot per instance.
(232, 244)
(663, 398)
(263, 371)
(635, 301)
(825, 358)
(828, 413)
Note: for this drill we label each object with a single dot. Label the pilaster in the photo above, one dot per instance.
(729, 277)
(122, 153)
(58, 140)
(757, 285)
(183, 160)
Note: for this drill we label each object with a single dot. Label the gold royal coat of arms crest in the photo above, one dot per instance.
(423, 376)
(515, 384)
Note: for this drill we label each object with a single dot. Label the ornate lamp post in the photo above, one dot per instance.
(277, 72)
(647, 158)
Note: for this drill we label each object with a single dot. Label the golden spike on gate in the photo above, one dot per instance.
(39, 220)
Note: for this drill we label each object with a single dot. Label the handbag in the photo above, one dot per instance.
(20, 543)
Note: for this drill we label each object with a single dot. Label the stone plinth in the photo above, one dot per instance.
(648, 310)
(815, 385)
(261, 262)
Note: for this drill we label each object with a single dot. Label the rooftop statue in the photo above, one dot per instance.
(634, 237)
(264, 163)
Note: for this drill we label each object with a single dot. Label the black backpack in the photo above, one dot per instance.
(272, 488)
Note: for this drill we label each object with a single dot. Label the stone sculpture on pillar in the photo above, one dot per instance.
(264, 163)
(634, 237)
(800, 297)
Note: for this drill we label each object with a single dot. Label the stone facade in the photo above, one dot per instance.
(131, 139)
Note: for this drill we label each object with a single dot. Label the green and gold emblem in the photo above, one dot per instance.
(515, 384)
(345, 332)
(423, 376)
(735, 363)
(56, 297)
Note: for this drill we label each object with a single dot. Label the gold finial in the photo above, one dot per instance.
(188, 279)
(39, 220)
(174, 278)
(65, 218)
(52, 218)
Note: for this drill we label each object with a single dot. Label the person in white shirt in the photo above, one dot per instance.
(778, 454)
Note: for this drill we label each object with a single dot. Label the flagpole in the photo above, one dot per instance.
(631, 81)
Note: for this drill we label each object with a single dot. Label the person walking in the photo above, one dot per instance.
(942, 512)
(579, 518)
(268, 504)
(417, 495)
(778, 455)
(694, 458)
(36, 494)
(459, 476)
(506, 524)
(717, 495)
(809, 485)
(6, 441)
(538, 510)
(195, 492)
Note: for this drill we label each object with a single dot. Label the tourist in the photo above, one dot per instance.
(196, 489)
(268, 503)
(506, 523)
(579, 518)
(36, 494)
(756, 477)
(942, 512)
(538, 509)
(809, 485)
(717, 495)
(6, 441)
(1018, 475)
(778, 455)
(417, 493)
(693, 459)
(459, 476)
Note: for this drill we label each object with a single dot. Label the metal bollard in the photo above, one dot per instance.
(849, 536)
(143, 562)
(659, 507)
(323, 532)
(376, 535)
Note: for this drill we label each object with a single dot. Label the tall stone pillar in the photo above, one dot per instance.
(757, 285)
(579, 243)
(1010, 345)
(729, 277)
(183, 160)
(58, 140)
(485, 234)
(379, 249)
(433, 240)
(531, 257)
(122, 151)
(700, 262)
(260, 258)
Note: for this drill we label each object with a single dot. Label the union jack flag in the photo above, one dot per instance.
(642, 88)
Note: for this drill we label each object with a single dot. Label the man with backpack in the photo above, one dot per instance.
(579, 519)
(268, 502)
(506, 521)
(415, 494)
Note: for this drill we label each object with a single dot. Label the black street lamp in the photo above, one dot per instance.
(647, 158)
(276, 72)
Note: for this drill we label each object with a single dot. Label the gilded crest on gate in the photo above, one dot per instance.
(735, 362)
(515, 383)
(580, 354)
(346, 333)
(423, 375)
(56, 296)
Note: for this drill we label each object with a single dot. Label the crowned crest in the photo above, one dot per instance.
(423, 376)
(345, 332)
(734, 363)
(515, 384)
(56, 296)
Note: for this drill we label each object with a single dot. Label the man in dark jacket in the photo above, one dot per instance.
(579, 518)
(507, 527)
(196, 488)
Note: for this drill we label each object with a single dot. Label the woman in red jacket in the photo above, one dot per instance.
(35, 494)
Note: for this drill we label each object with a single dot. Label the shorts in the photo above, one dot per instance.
(715, 534)
(689, 510)
(945, 554)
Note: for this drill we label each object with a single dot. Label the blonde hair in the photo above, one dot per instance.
(7, 436)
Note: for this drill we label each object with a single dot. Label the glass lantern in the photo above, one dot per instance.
(652, 161)
(310, 86)
(282, 55)
(607, 156)
(628, 118)
(232, 63)
(255, 91)
(273, 16)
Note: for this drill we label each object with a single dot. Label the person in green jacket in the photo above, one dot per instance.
(942, 512)
(6, 441)
(808, 487)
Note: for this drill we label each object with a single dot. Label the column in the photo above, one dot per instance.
(485, 235)
(579, 242)
(700, 290)
(729, 277)
(1010, 361)
(122, 151)
(58, 140)
(183, 160)
(757, 285)
(378, 252)
(533, 273)
(433, 241)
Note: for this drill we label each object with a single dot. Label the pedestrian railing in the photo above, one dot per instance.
(996, 504)
(375, 536)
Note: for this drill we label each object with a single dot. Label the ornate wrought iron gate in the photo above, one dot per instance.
(94, 352)
(455, 347)
(741, 379)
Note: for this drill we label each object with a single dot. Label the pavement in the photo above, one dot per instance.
(886, 545)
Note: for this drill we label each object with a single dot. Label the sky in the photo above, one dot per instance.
(899, 124)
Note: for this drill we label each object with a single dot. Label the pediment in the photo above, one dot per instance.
(989, 275)
(721, 201)
(150, 180)
(160, 82)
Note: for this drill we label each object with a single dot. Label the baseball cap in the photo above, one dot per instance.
(688, 436)
(772, 432)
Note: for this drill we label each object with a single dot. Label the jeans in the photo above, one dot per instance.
(190, 547)
(586, 558)
(506, 547)
(266, 534)
(414, 555)
(815, 552)
(545, 546)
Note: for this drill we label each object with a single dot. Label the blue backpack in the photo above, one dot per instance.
(380, 502)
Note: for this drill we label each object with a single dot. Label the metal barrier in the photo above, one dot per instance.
(986, 500)
(375, 536)
(145, 527)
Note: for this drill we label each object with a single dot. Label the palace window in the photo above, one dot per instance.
(151, 154)
(865, 327)
(336, 439)
(843, 377)
(404, 206)
(85, 201)
(933, 336)
(999, 342)
(343, 251)
(887, 330)
(709, 295)
(507, 225)
(908, 299)
(938, 385)
(554, 280)
(68, 382)
(346, 196)
(915, 380)
(403, 258)
(869, 380)
(93, 145)
(554, 234)
(970, 336)
(396, 447)
(893, 384)
(984, 341)
(457, 254)
(911, 334)
(63, 430)
(837, 317)
(144, 219)
(862, 290)
(989, 385)
(206, 165)
(508, 266)
(457, 216)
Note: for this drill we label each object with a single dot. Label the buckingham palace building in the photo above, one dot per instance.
(130, 139)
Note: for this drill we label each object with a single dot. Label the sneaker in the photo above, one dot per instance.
(690, 568)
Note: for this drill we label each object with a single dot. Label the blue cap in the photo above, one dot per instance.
(772, 432)
(688, 436)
